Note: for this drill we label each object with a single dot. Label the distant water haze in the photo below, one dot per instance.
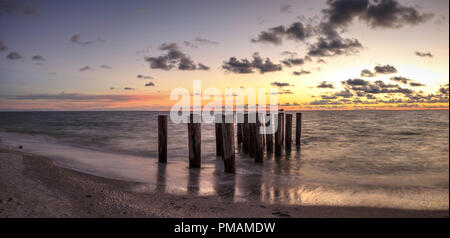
(394, 159)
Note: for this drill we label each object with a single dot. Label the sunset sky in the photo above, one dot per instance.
(129, 55)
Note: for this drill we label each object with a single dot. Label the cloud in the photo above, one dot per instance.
(128, 88)
(325, 84)
(38, 58)
(85, 68)
(280, 84)
(14, 56)
(245, 66)
(205, 41)
(174, 58)
(391, 14)
(18, 8)
(285, 8)
(2, 46)
(321, 61)
(296, 31)
(104, 66)
(415, 84)
(77, 40)
(424, 54)
(367, 73)
(400, 79)
(302, 72)
(202, 67)
(139, 76)
(377, 14)
(149, 84)
(273, 35)
(385, 69)
(334, 47)
(294, 61)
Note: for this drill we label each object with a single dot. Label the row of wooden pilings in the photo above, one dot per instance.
(249, 137)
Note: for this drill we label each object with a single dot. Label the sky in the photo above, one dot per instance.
(130, 55)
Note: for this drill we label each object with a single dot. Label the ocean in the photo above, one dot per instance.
(396, 159)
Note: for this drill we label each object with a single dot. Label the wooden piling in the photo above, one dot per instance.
(162, 138)
(269, 135)
(239, 133)
(298, 128)
(245, 139)
(288, 132)
(282, 128)
(278, 135)
(194, 136)
(218, 130)
(228, 147)
(259, 141)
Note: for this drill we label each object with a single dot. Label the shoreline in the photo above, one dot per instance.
(33, 186)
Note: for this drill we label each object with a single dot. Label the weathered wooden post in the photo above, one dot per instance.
(278, 135)
(239, 133)
(195, 136)
(269, 134)
(282, 128)
(298, 128)
(218, 127)
(228, 147)
(251, 138)
(245, 134)
(162, 138)
(288, 132)
(259, 141)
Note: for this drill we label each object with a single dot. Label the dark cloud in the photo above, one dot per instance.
(424, 54)
(325, 84)
(2, 46)
(302, 72)
(415, 84)
(285, 8)
(77, 40)
(280, 84)
(444, 90)
(342, 12)
(273, 35)
(245, 66)
(401, 79)
(321, 61)
(367, 73)
(149, 84)
(362, 87)
(174, 57)
(104, 66)
(333, 47)
(14, 56)
(296, 31)
(391, 14)
(293, 61)
(38, 58)
(234, 65)
(85, 68)
(128, 88)
(139, 76)
(385, 69)
(203, 67)
(16, 7)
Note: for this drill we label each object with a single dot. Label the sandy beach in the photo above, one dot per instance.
(33, 186)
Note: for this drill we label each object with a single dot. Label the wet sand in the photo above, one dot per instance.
(33, 186)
